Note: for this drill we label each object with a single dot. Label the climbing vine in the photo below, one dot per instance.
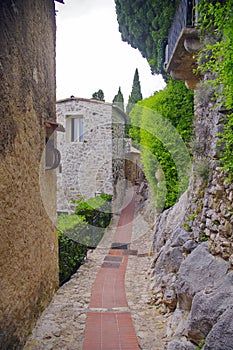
(216, 24)
(162, 126)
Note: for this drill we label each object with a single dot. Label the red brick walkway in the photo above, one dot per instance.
(109, 325)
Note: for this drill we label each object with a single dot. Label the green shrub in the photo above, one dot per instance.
(203, 237)
(201, 344)
(216, 25)
(80, 231)
(187, 227)
(93, 206)
(162, 126)
(71, 255)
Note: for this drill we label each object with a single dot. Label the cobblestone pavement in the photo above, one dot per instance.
(62, 324)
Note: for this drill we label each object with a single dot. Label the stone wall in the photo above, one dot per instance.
(96, 164)
(210, 205)
(28, 243)
(191, 269)
(118, 156)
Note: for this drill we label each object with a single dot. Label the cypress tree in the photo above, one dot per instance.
(119, 99)
(136, 94)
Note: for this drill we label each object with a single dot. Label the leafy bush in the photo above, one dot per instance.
(80, 231)
(216, 24)
(145, 25)
(162, 126)
(201, 344)
(93, 206)
(71, 255)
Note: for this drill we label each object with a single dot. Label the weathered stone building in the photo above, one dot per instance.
(92, 150)
(28, 240)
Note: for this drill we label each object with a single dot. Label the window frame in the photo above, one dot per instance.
(75, 128)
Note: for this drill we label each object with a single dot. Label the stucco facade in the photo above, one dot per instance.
(92, 151)
(28, 240)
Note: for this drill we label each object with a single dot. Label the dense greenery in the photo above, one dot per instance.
(145, 24)
(216, 23)
(136, 94)
(71, 252)
(96, 206)
(119, 99)
(80, 231)
(98, 95)
(162, 127)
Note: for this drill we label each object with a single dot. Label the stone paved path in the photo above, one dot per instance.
(109, 325)
(82, 309)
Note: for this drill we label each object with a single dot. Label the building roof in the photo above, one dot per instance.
(73, 98)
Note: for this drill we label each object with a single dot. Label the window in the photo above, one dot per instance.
(74, 127)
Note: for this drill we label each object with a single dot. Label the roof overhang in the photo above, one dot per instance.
(54, 126)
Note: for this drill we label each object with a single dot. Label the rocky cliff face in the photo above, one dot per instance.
(193, 252)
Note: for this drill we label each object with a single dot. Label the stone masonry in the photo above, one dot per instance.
(191, 270)
(94, 161)
(28, 239)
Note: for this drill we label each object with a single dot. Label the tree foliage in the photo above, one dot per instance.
(216, 23)
(136, 94)
(162, 126)
(145, 24)
(99, 95)
(119, 99)
(78, 231)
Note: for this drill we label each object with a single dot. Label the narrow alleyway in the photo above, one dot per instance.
(111, 326)
(105, 306)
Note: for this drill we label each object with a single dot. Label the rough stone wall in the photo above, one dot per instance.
(210, 205)
(28, 243)
(118, 157)
(191, 269)
(95, 164)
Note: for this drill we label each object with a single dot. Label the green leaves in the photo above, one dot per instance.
(158, 124)
(143, 24)
(216, 24)
(119, 99)
(77, 232)
(90, 208)
(227, 139)
(136, 94)
(99, 95)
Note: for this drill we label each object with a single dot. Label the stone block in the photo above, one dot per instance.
(207, 307)
(198, 271)
(180, 345)
(221, 335)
